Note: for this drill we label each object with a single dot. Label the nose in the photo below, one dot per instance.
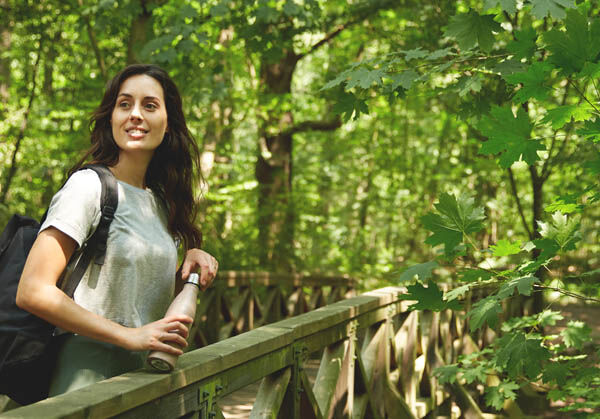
(136, 113)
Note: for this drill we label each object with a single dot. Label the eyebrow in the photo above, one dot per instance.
(146, 97)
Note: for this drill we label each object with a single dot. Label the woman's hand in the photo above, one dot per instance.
(197, 260)
(159, 335)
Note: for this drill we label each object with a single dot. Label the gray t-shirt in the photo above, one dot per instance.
(136, 283)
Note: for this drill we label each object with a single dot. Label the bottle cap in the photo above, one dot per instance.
(193, 279)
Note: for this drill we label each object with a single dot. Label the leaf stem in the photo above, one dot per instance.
(567, 293)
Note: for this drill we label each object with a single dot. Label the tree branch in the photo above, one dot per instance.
(513, 187)
(313, 126)
(95, 47)
(362, 14)
(13, 164)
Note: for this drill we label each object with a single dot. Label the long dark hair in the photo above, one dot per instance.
(175, 167)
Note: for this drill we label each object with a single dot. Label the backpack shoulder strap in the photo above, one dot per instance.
(95, 247)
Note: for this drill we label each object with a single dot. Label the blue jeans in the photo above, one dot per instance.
(82, 361)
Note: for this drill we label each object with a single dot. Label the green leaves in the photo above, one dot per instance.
(524, 286)
(521, 355)
(562, 230)
(524, 44)
(505, 248)
(572, 48)
(447, 373)
(554, 8)
(453, 219)
(485, 311)
(472, 29)
(509, 136)
(562, 115)
(496, 395)
(428, 298)
(422, 271)
(348, 104)
(509, 6)
(533, 82)
(576, 334)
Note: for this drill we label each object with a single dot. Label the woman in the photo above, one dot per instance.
(139, 133)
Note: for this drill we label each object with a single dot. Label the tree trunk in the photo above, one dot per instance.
(141, 26)
(537, 185)
(274, 169)
(5, 42)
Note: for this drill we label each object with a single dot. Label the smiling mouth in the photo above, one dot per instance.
(136, 132)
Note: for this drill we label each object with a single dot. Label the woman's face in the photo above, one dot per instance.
(139, 118)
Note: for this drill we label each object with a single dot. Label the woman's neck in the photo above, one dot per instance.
(131, 169)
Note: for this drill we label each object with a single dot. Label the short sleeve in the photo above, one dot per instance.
(75, 209)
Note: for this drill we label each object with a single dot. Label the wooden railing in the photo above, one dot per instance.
(376, 360)
(241, 301)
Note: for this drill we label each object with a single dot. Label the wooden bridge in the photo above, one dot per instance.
(362, 356)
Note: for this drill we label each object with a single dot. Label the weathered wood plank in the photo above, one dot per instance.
(270, 395)
(328, 375)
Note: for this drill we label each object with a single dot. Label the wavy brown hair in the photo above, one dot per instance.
(175, 167)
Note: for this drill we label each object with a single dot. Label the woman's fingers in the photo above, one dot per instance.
(179, 328)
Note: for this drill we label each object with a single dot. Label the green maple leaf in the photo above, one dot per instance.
(446, 373)
(523, 284)
(472, 29)
(565, 204)
(422, 271)
(428, 298)
(562, 115)
(524, 44)
(348, 104)
(339, 79)
(548, 247)
(495, 396)
(591, 130)
(519, 354)
(475, 373)
(564, 231)
(472, 275)
(554, 8)
(572, 48)
(364, 78)
(509, 136)
(453, 219)
(509, 66)
(590, 70)
(533, 82)
(469, 84)
(506, 248)
(509, 6)
(415, 54)
(556, 372)
(404, 79)
(576, 334)
(440, 53)
(454, 293)
(485, 311)
(549, 318)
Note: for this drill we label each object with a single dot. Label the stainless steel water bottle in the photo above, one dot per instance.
(184, 303)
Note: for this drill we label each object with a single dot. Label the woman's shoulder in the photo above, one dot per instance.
(83, 187)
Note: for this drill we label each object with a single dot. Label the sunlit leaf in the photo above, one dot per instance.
(472, 29)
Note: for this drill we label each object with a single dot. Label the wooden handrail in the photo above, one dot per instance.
(365, 343)
(241, 301)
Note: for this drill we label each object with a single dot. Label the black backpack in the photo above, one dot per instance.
(27, 355)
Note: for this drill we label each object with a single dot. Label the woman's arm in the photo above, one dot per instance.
(38, 294)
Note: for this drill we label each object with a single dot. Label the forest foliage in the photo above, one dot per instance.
(400, 142)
